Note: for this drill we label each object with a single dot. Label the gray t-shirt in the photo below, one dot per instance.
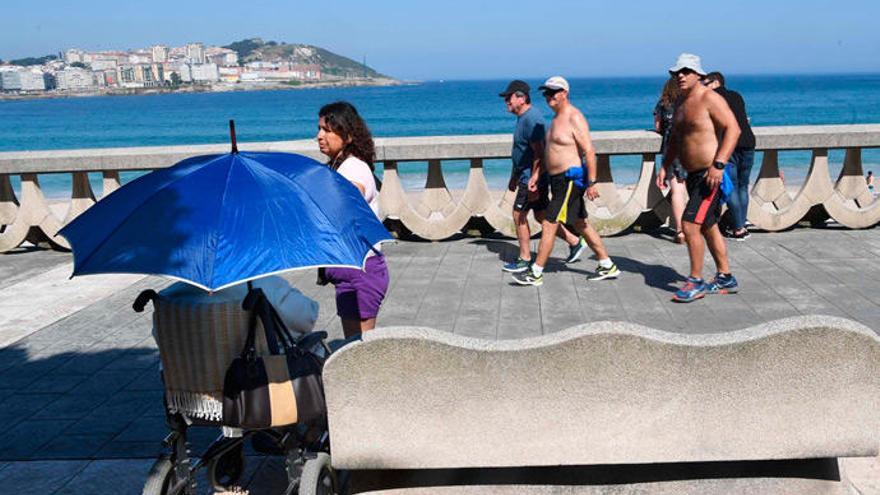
(529, 129)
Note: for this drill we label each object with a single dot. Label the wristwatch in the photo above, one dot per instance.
(719, 165)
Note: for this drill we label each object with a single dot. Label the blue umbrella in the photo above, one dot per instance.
(218, 220)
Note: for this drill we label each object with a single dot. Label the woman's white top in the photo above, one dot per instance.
(356, 170)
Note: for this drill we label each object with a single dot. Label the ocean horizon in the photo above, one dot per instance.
(430, 108)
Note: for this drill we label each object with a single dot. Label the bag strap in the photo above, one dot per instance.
(257, 303)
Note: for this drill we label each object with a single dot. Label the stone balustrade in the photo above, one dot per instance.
(437, 214)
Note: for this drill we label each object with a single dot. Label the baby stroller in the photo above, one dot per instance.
(198, 343)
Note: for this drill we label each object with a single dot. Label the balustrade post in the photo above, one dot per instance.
(111, 182)
(81, 197)
(436, 197)
(8, 202)
(851, 181)
(852, 204)
(34, 221)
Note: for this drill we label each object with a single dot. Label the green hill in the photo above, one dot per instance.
(255, 49)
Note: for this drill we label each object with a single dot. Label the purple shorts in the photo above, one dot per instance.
(360, 293)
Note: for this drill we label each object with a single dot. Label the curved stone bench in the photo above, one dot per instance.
(603, 394)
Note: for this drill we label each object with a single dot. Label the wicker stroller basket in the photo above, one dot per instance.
(200, 334)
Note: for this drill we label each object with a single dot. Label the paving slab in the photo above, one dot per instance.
(39, 477)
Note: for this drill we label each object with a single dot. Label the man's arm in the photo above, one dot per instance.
(581, 132)
(537, 161)
(725, 124)
(669, 156)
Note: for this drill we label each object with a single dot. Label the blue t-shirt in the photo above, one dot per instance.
(529, 129)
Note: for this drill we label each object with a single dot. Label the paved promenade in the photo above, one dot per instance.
(81, 403)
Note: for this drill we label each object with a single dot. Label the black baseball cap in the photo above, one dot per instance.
(515, 86)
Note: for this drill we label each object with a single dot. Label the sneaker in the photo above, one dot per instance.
(693, 289)
(722, 284)
(602, 273)
(520, 265)
(575, 252)
(740, 236)
(528, 277)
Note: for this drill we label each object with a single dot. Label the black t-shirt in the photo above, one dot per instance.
(736, 103)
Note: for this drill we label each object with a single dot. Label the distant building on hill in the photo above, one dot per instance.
(74, 55)
(27, 79)
(75, 79)
(195, 53)
(159, 53)
(205, 73)
(223, 57)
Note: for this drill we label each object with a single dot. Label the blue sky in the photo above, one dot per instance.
(477, 39)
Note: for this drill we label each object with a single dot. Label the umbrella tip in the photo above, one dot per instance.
(232, 136)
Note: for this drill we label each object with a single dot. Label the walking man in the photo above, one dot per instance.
(701, 119)
(527, 176)
(741, 160)
(570, 160)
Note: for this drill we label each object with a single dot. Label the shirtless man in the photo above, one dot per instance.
(570, 160)
(704, 135)
(527, 176)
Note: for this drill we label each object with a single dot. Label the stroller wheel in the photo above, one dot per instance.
(161, 477)
(225, 470)
(318, 477)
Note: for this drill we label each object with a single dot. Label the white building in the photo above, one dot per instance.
(195, 53)
(23, 80)
(205, 72)
(74, 55)
(159, 53)
(181, 69)
(103, 63)
(75, 79)
(140, 57)
(223, 57)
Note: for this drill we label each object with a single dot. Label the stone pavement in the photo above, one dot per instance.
(81, 401)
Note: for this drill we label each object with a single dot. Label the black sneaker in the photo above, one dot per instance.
(528, 277)
(575, 252)
(741, 236)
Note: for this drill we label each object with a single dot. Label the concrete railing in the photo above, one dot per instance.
(438, 215)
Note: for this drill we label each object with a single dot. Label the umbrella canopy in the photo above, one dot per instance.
(217, 220)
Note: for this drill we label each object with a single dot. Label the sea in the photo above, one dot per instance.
(418, 109)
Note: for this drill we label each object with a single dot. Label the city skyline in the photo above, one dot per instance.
(482, 40)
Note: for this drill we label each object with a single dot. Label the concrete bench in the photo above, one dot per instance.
(610, 393)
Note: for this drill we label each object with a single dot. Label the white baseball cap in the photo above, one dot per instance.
(688, 61)
(554, 83)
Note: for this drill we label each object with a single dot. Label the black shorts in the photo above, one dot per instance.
(522, 203)
(704, 203)
(566, 200)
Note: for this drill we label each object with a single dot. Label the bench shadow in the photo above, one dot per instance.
(815, 469)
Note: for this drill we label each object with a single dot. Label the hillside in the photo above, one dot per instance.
(255, 49)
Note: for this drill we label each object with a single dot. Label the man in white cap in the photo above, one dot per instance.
(527, 176)
(570, 160)
(704, 135)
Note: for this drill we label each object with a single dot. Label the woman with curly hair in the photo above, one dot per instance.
(344, 137)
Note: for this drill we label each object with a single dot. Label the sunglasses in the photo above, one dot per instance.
(550, 93)
(685, 72)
